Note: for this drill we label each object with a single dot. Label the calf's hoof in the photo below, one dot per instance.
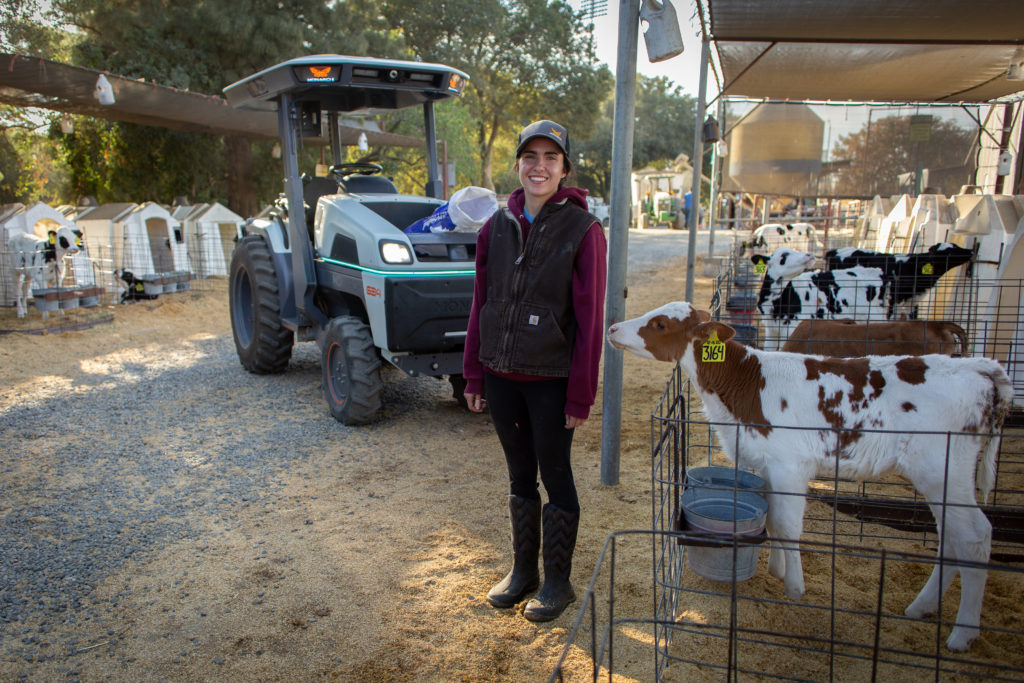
(795, 592)
(961, 638)
(919, 610)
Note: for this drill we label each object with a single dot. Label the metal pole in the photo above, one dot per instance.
(434, 181)
(621, 198)
(303, 270)
(716, 171)
(698, 154)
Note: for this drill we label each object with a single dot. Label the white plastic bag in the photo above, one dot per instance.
(470, 208)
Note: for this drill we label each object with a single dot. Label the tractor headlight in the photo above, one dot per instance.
(395, 252)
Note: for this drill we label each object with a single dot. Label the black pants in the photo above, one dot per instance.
(529, 418)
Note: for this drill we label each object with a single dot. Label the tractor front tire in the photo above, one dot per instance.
(263, 343)
(351, 371)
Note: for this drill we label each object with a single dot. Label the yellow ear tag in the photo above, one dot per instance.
(713, 350)
(927, 269)
(53, 238)
(760, 267)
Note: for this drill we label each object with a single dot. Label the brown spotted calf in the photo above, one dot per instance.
(847, 339)
(792, 417)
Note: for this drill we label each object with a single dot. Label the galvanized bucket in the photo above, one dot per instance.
(714, 507)
(716, 476)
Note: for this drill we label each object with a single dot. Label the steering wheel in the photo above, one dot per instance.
(362, 168)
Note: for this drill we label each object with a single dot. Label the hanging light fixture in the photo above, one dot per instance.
(363, 143)
(1015, 72)
(710, 131)
(67, 124)
(103, 91)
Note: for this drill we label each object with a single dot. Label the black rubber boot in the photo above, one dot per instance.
(524, 577)
(560, 528)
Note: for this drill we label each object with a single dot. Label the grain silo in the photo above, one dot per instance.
(776, 149)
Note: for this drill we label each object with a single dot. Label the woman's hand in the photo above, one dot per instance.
(574, 422)
(475, 402)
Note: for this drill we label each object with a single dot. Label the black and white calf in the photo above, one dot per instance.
(132, 288)
(908, 277)
(33, 258)
(791, 293)
(770, 236)
(792, 417)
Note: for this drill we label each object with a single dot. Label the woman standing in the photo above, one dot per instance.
(534, 341)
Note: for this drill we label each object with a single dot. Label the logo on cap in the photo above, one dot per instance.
(556, 133)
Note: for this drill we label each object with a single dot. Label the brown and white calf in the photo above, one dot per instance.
(848, 339)
(792, 416)
(32, 256)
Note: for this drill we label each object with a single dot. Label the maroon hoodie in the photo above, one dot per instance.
(589, 275)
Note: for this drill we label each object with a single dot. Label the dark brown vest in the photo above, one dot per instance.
(528, 325)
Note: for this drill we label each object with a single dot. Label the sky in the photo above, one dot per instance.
(683, 69)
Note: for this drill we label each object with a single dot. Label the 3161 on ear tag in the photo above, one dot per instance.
(713, 350)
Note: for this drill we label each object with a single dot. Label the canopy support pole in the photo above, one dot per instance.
(698, 158)
(621, 199)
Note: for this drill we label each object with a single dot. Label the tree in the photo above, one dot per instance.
(527, 59)
(204, 46)
(663, 130)
(882, 150)
(28, 26)
(665, 122)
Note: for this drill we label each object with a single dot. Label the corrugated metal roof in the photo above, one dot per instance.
(867, 50)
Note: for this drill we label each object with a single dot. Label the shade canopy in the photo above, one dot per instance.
(867, 50)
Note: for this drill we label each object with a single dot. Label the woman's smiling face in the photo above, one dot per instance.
(541, 168)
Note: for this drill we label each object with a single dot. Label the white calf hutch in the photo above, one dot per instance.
(211, 231)
(144, 239)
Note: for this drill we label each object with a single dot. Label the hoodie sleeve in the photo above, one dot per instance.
(590, 274)
(472, 368)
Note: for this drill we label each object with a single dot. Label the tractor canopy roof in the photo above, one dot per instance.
(355, 85)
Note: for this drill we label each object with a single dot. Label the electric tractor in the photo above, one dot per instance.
(330, 262)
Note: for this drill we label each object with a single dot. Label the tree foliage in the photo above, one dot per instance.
(662, 131)
(527, 59)
(201, 46)
(882, 150)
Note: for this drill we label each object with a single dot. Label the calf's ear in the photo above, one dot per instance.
(705, 330)
(758, 259)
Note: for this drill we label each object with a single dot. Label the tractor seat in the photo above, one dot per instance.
(316, 188)
(369, 184)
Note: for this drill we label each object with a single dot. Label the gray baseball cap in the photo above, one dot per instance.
(544, 129)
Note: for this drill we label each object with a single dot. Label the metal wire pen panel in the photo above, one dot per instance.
(985, 310)
(866, 548)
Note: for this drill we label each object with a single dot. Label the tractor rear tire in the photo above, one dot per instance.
(263, 343)
(351, 371)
